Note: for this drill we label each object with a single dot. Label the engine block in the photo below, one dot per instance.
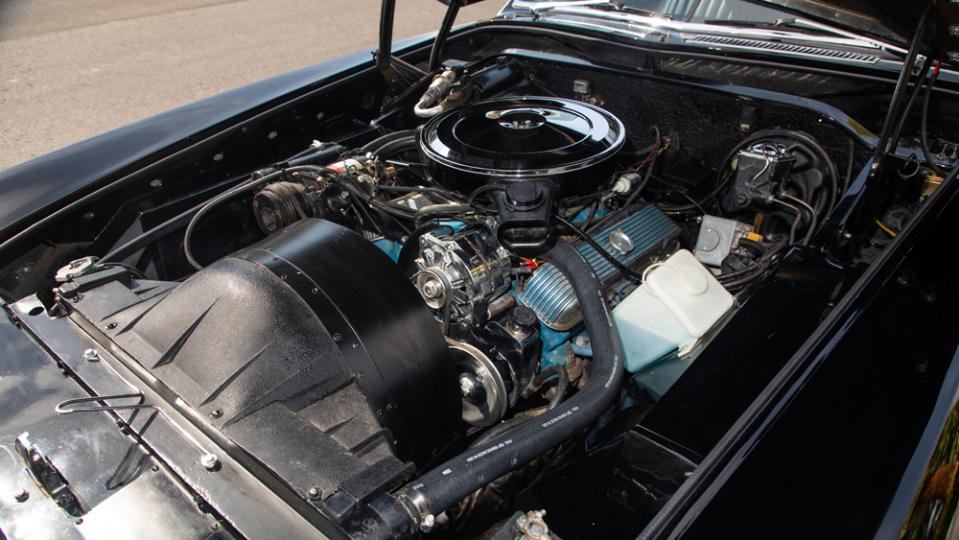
(633, 241)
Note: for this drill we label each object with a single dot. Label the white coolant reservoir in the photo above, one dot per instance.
(678, 302)
(690, 292)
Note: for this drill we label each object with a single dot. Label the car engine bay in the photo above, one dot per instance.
(433, 295)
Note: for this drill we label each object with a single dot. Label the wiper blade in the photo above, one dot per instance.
(607, 5)
(796, 23)
(778, 23)
(619, 6)
(783, 29)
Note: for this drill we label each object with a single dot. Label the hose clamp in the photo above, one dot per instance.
(419, 509)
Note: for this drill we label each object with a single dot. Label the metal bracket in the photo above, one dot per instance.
(66, 407)
(209, 460)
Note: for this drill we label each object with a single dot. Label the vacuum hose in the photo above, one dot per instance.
(415, 506)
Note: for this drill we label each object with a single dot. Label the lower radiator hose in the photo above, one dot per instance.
(414, 507)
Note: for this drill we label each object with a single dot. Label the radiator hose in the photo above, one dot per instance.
(415, 506)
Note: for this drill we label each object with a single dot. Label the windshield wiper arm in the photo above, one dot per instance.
(796, 23)
(607, 9)
(608, 5)
(619, 6)
(778, 23)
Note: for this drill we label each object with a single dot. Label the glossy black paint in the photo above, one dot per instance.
(757, 342)
(872, 17)
(823, 449)
(614, 490)
(181, 142)
(102, 465)
(404, 367)
(253, 506)
(83, 167)
(101, 164)
(703, 408)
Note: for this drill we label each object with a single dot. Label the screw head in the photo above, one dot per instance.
(313, 493)
(91, 355)
(216, 413)
(210, 462)
(111, 326)
(21, 496)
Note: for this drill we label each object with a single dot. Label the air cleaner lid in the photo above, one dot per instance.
(522, 137)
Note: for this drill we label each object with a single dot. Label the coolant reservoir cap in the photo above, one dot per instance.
(692, 279)
(686, 277)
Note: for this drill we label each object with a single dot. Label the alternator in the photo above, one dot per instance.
(460, 274)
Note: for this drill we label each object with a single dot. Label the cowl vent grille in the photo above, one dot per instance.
(785, 47)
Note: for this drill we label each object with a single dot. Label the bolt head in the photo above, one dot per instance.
(432, 289)
(210, 462)
(21, 496)
(91, 355)
(428, 522)
(622, 185)
(466, 384)
(313, 493)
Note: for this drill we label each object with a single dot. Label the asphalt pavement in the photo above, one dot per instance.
(71, 69)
